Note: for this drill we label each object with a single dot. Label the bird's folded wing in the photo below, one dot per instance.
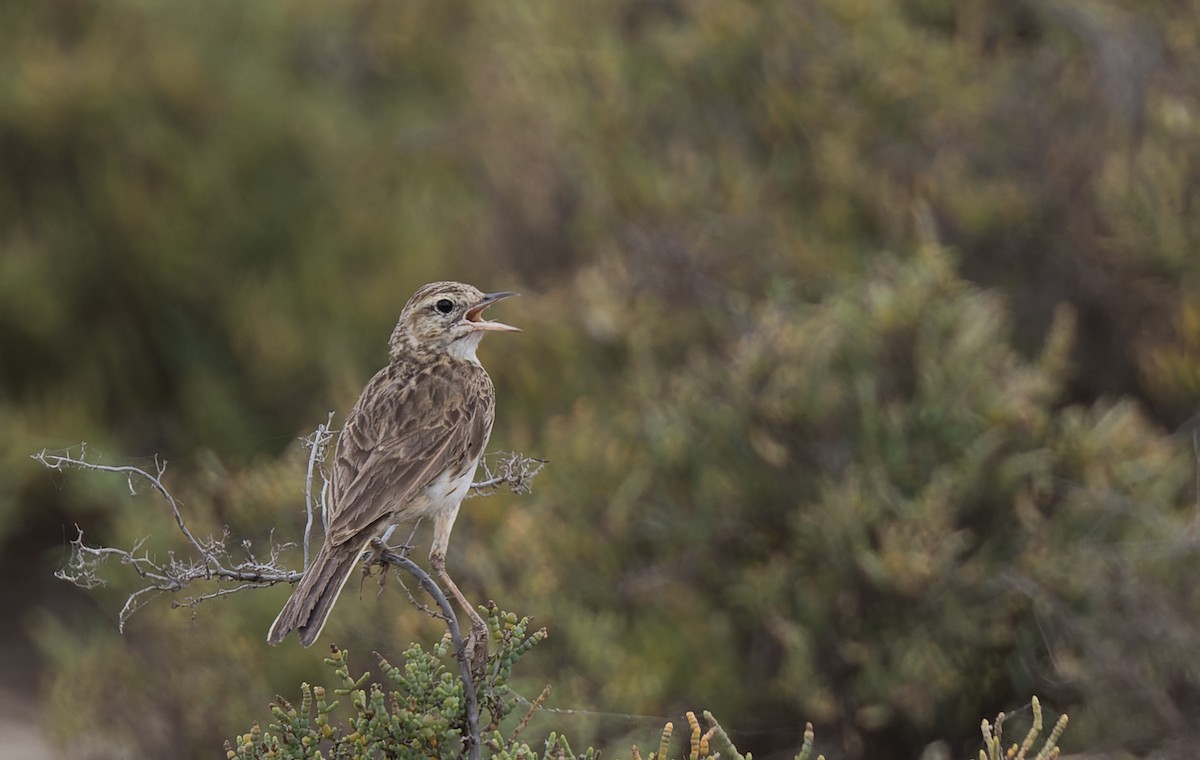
(384, 461)
(392, 476)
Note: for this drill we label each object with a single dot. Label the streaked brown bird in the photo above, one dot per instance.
(409, 448)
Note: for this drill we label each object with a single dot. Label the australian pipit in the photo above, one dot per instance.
(409, 448)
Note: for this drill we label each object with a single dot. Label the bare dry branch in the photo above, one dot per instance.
(174, 574)
(511, 469)
(208, 559)
(317, 444)
(211, 559)
(64, 460)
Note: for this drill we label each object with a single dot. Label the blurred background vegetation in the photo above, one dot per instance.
(863, 336)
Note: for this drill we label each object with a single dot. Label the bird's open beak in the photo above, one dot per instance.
(474, 315)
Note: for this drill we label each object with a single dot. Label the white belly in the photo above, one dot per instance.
(448, 491)
(440, 501)
(442, 495)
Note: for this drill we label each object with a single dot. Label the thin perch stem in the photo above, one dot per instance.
(385, 554)
(316, 444)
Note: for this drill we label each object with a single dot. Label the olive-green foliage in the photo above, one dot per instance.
(208, 213)
(926, 528)
(810, 459)
(425, 715)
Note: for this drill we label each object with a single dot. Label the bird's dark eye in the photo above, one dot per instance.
(445, 306)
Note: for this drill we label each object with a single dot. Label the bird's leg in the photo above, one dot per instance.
(476, 643)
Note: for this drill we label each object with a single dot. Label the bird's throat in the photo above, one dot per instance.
(465, 347)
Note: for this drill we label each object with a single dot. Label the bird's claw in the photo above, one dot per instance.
(475, 647)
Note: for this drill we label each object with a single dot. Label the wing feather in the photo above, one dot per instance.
(400, 436)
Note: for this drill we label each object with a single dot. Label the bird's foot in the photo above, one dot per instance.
(475, 645)
(373, 557)
(379, 546)
(372, 564)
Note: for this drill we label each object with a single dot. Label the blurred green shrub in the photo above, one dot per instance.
(882, 512)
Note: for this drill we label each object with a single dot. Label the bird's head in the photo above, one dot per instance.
(446, 317)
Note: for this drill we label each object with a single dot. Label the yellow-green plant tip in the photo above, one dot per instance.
(721, 743)
(665, 740)
(807, 747)
(695, 735)
(1030, 737)
(1052, 740)
(566, 747)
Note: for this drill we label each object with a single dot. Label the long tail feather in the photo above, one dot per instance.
(310, 604)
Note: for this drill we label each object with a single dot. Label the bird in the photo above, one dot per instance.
(408, 449)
